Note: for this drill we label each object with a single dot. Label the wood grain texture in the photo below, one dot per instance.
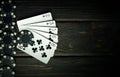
(63, 10)
(88, 35)
(64, 66)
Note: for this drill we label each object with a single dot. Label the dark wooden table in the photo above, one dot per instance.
(88, 34)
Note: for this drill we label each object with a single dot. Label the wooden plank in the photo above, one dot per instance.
(66, 14)
(64, 66)
(67, 11)
(85, 38)
(56, 3)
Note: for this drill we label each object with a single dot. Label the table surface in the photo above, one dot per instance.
(87, 36)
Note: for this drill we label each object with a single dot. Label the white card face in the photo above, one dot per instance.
(52, 30)
(50, 37)
(51, 23)
(35, 19)
(43, 49)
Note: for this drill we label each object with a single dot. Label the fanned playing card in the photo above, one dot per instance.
(43, 26)
(38, 36)
(36, 19)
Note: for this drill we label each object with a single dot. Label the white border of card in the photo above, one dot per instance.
(43, 28)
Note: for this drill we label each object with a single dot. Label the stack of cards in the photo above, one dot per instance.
(38, 36)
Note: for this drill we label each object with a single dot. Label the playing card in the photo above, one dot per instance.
(51, 37)
(50, 23)
(52, 30)
(41, 49)
(35, 19)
